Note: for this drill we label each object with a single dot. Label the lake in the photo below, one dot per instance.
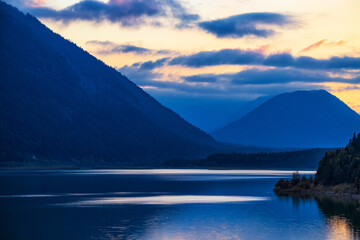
(166, 204)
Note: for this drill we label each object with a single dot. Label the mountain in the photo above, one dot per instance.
(60, 103)
(245, 109)
(302, 119)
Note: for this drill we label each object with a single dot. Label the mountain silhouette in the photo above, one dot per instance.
(302, 119)
(60, 103)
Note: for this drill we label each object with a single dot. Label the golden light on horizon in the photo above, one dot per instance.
(320, 29)
(348, 93)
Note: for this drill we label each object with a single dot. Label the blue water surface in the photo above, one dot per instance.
(166, 204)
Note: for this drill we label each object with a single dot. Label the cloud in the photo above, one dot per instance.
(26, 3)
(131, 48)
(205, 78)
(331, 63)
(256, 76)
(150, 65)
(37, 3)
(108, 47)
(140, 76)
(249, 57)
(315, 45)
(147, 78)
(248, 24)
(279, 60)
(178, 11)
(222, 57)
(252, 82)
(126, 12)
(323, 43)
(280, 76)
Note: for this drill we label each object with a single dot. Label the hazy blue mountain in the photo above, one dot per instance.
(208, 114)
(245, 109)
(59, 102)
(301, 119)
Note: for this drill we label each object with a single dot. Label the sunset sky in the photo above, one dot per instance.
(203, 58)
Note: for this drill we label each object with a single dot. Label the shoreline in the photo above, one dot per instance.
(313, 192)
(114, 167)
(308, 171)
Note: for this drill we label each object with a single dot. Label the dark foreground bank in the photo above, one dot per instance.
(338, 174)
(307, 186)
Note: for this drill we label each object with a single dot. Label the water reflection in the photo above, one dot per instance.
(339, 229)
(157, 172)
(342, 215)
(165, 204)
(166, 200)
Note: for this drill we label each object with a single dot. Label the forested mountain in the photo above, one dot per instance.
(302, 119)
(60, 103)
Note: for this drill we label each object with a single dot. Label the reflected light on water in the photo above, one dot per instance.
(167, 200)
(339, 229)
(187, 171)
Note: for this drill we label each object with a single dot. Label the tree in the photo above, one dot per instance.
(295, 178)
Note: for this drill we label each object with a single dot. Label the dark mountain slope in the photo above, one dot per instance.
(302, 119)
(59, 102)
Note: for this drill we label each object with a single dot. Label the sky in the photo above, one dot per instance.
(205, 58)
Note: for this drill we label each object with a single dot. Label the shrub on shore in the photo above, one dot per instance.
(296, 183)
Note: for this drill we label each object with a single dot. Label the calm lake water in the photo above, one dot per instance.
(165, 204)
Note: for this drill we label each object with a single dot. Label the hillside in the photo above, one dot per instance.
(302, 119)
(60, 103)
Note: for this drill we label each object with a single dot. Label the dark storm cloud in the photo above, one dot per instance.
(245, 25)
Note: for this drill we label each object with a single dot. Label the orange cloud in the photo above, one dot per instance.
(315, 45)
(323, 43)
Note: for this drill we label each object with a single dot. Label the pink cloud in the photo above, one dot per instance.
(36, 3)
(323, 43)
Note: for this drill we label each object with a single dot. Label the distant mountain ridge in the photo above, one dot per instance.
(59, 102)
(302, 119)
(245, 109)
